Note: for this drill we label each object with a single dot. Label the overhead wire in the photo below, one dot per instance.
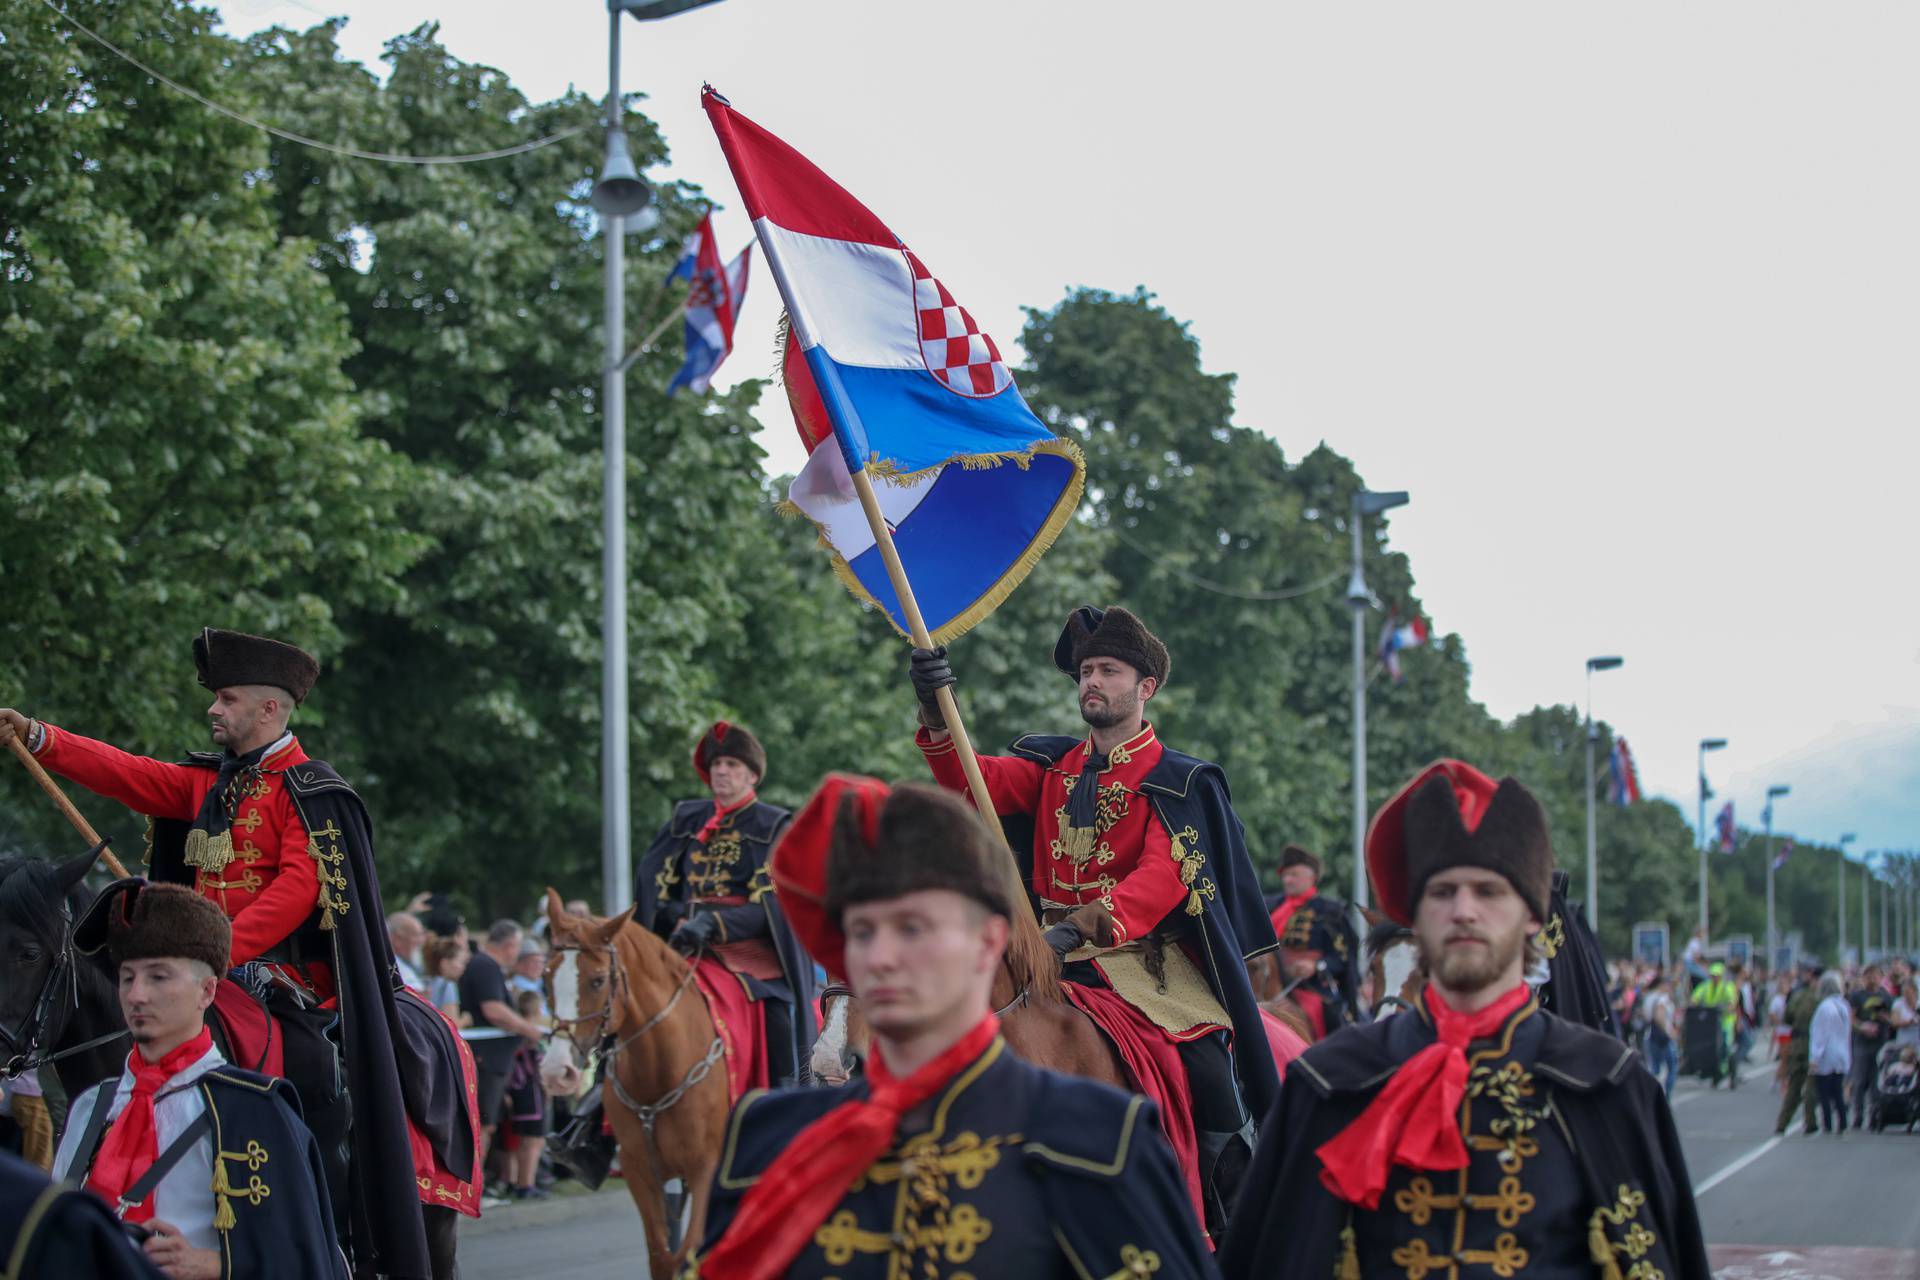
(354, 153)
(1219, 588)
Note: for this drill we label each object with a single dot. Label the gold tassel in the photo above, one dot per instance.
(1602, 1249)
(1349, 1265)
(326, 915)
(1194, 905)
(223, 1219)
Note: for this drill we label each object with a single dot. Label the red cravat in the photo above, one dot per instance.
(133, 1144)
(1284, 912)
(720, 815)
(1415, 1120)
(806, 1181)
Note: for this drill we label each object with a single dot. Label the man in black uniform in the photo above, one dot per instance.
(1318, 947)
(1478, 1135)
(952, 1157)
(703, 883)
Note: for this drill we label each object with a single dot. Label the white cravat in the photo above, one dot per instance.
(185, 1196)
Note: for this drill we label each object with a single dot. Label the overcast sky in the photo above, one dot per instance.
(1625, 296)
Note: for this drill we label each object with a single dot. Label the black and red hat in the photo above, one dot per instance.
(1295, 856)
(1453, 815)
(228, 658)
(725, 739)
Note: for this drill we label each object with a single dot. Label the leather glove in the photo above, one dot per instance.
(1064, 938)
(930, 672)
(695, 932)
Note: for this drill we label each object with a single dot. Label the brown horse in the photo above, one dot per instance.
(613, 982)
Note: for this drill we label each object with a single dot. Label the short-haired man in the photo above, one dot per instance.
(211, 1163)
(1141, 871)
(406, 933)
(485, 997)
(1478, 1135)
(1318, 948)
(952, 1157)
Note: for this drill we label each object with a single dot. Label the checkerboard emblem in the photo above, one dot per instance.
(964, 359)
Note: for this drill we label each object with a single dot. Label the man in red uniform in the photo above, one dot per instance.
(1140, 871)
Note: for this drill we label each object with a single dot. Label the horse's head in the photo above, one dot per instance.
(39, 902)
(584, 977)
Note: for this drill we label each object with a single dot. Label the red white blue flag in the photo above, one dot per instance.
(1780, 858)
(1623, 783)
(1396, 636)
(881, 357)
(714, 296)
(1723, 827)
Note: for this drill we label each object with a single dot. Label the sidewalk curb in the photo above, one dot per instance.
(542, 1213)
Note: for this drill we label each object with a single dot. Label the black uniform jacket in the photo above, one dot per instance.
(1577, 989)
(1010, 1171)
(1573, 1159)
(677, 870)
(267, 1171)
(401, 1059)
(48, 1229)
(1191, 799)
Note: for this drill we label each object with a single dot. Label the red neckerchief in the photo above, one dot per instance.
(805, 1182)
(719, 816)
(1288, 905)
(133, 1144)
(1415, 1121)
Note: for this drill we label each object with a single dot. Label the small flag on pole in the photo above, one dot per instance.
(1780, 858)
(714, 297)
(1723, 827)
(881, 357)
(1396, 636)
(1623, 784)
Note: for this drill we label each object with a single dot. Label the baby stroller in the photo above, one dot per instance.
(1895, 1096)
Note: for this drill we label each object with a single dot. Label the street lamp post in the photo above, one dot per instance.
(1365, 503)
(1706, 745)
(1773, 944)
(1866, 888)
(1593, 845)
(1840, 909)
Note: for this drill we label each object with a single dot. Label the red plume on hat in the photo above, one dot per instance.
(725, 739)
(799, 861)
(1453, 815)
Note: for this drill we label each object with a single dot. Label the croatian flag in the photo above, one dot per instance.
(1723, 826)
(1780, 858)
(714, 295)
(1623, 784)
(881, 357)
(1395, 637)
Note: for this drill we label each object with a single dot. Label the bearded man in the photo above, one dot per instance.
(1478, 1135)
(1139, 868)
(952, 1158)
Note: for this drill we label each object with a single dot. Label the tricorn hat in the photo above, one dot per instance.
(226, 658)
(1294, 856)
(728, 740)
(1110, 633)
(858, 840)
(137, 920)
(1453, 815)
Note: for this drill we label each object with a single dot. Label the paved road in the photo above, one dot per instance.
(1798, 1208)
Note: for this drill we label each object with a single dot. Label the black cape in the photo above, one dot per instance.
(1287, 1224)
(1088, 1187)
(1191, 799)
(1577, 989)
(1326, 925)
(758, 826)
(400, 1057)
(50, 1230)
(283, 1222)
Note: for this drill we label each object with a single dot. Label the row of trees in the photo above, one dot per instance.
(251, 384)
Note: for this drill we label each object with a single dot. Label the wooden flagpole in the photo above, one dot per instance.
(917, 628)
(65, 806)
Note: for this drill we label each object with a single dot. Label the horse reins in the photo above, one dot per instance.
(27, 1042)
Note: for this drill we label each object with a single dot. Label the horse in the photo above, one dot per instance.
(618, 995)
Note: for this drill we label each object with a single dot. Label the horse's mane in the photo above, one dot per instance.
(1030, 960)
(27, 897)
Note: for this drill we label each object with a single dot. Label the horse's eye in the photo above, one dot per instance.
(597, 983)
(29, 954)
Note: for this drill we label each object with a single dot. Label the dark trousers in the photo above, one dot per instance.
(1866, 1060)
(1833, 1106)
(782, 1069)
(1210, 1082)
(1798, 1092)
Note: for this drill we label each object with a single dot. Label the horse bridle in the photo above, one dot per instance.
(27, 1055)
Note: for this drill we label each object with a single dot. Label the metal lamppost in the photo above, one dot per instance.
(1773, 944)
(1593, 843)
(1706, 793)
(1866, 893)
(1366, 503)
(1840, 909)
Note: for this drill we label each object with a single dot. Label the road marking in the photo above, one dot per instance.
(1753, 1072)
(1702, 1188)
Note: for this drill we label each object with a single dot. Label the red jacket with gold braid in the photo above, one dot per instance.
(1130, 869)
(272, 884)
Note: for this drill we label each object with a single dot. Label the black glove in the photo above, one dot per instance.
(695, 933)
(1064, 938)
(930, 672)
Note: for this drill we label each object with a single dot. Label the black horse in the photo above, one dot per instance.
(56, 1005)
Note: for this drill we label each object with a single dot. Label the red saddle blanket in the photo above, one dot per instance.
(1283, 1040)
(742, 1031)
(1154, 1066)
(251, 1038)
(456, 1189)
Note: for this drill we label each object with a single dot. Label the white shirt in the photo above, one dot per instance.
(1830, 1039)
(409, 974)
(185, 1196)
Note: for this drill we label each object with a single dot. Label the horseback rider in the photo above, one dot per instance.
(206, 1164)
(1319, 951)
(703, 883)
(1477, 1134)
(283, 847)
(1140, 872)
(952, 1156)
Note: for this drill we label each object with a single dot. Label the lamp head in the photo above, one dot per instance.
(1604, 664)
(1773, 792)
(620, 190)
(1712, 744)
(1369, 502)
(1846, 839)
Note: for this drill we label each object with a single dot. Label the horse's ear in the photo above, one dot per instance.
(71, 872)
(610, 929)
(556, 910)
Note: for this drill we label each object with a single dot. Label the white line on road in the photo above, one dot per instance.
(1702, 1188)
(1756, 1070)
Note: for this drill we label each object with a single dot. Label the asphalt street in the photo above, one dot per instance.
(1792, 1208)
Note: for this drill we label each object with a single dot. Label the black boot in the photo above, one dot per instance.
(1223, 1163)
(581, 1147)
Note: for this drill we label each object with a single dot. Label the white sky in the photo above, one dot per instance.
(1624, 295)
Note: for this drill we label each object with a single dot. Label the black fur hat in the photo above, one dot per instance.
(729, 740)
(226, 658)
(1453, 815)
(919, 837)
(137, 920)
(1110, 633)
(1294, 856)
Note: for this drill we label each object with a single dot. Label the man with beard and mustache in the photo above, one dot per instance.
(1478, 1135)
(1140, 871)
